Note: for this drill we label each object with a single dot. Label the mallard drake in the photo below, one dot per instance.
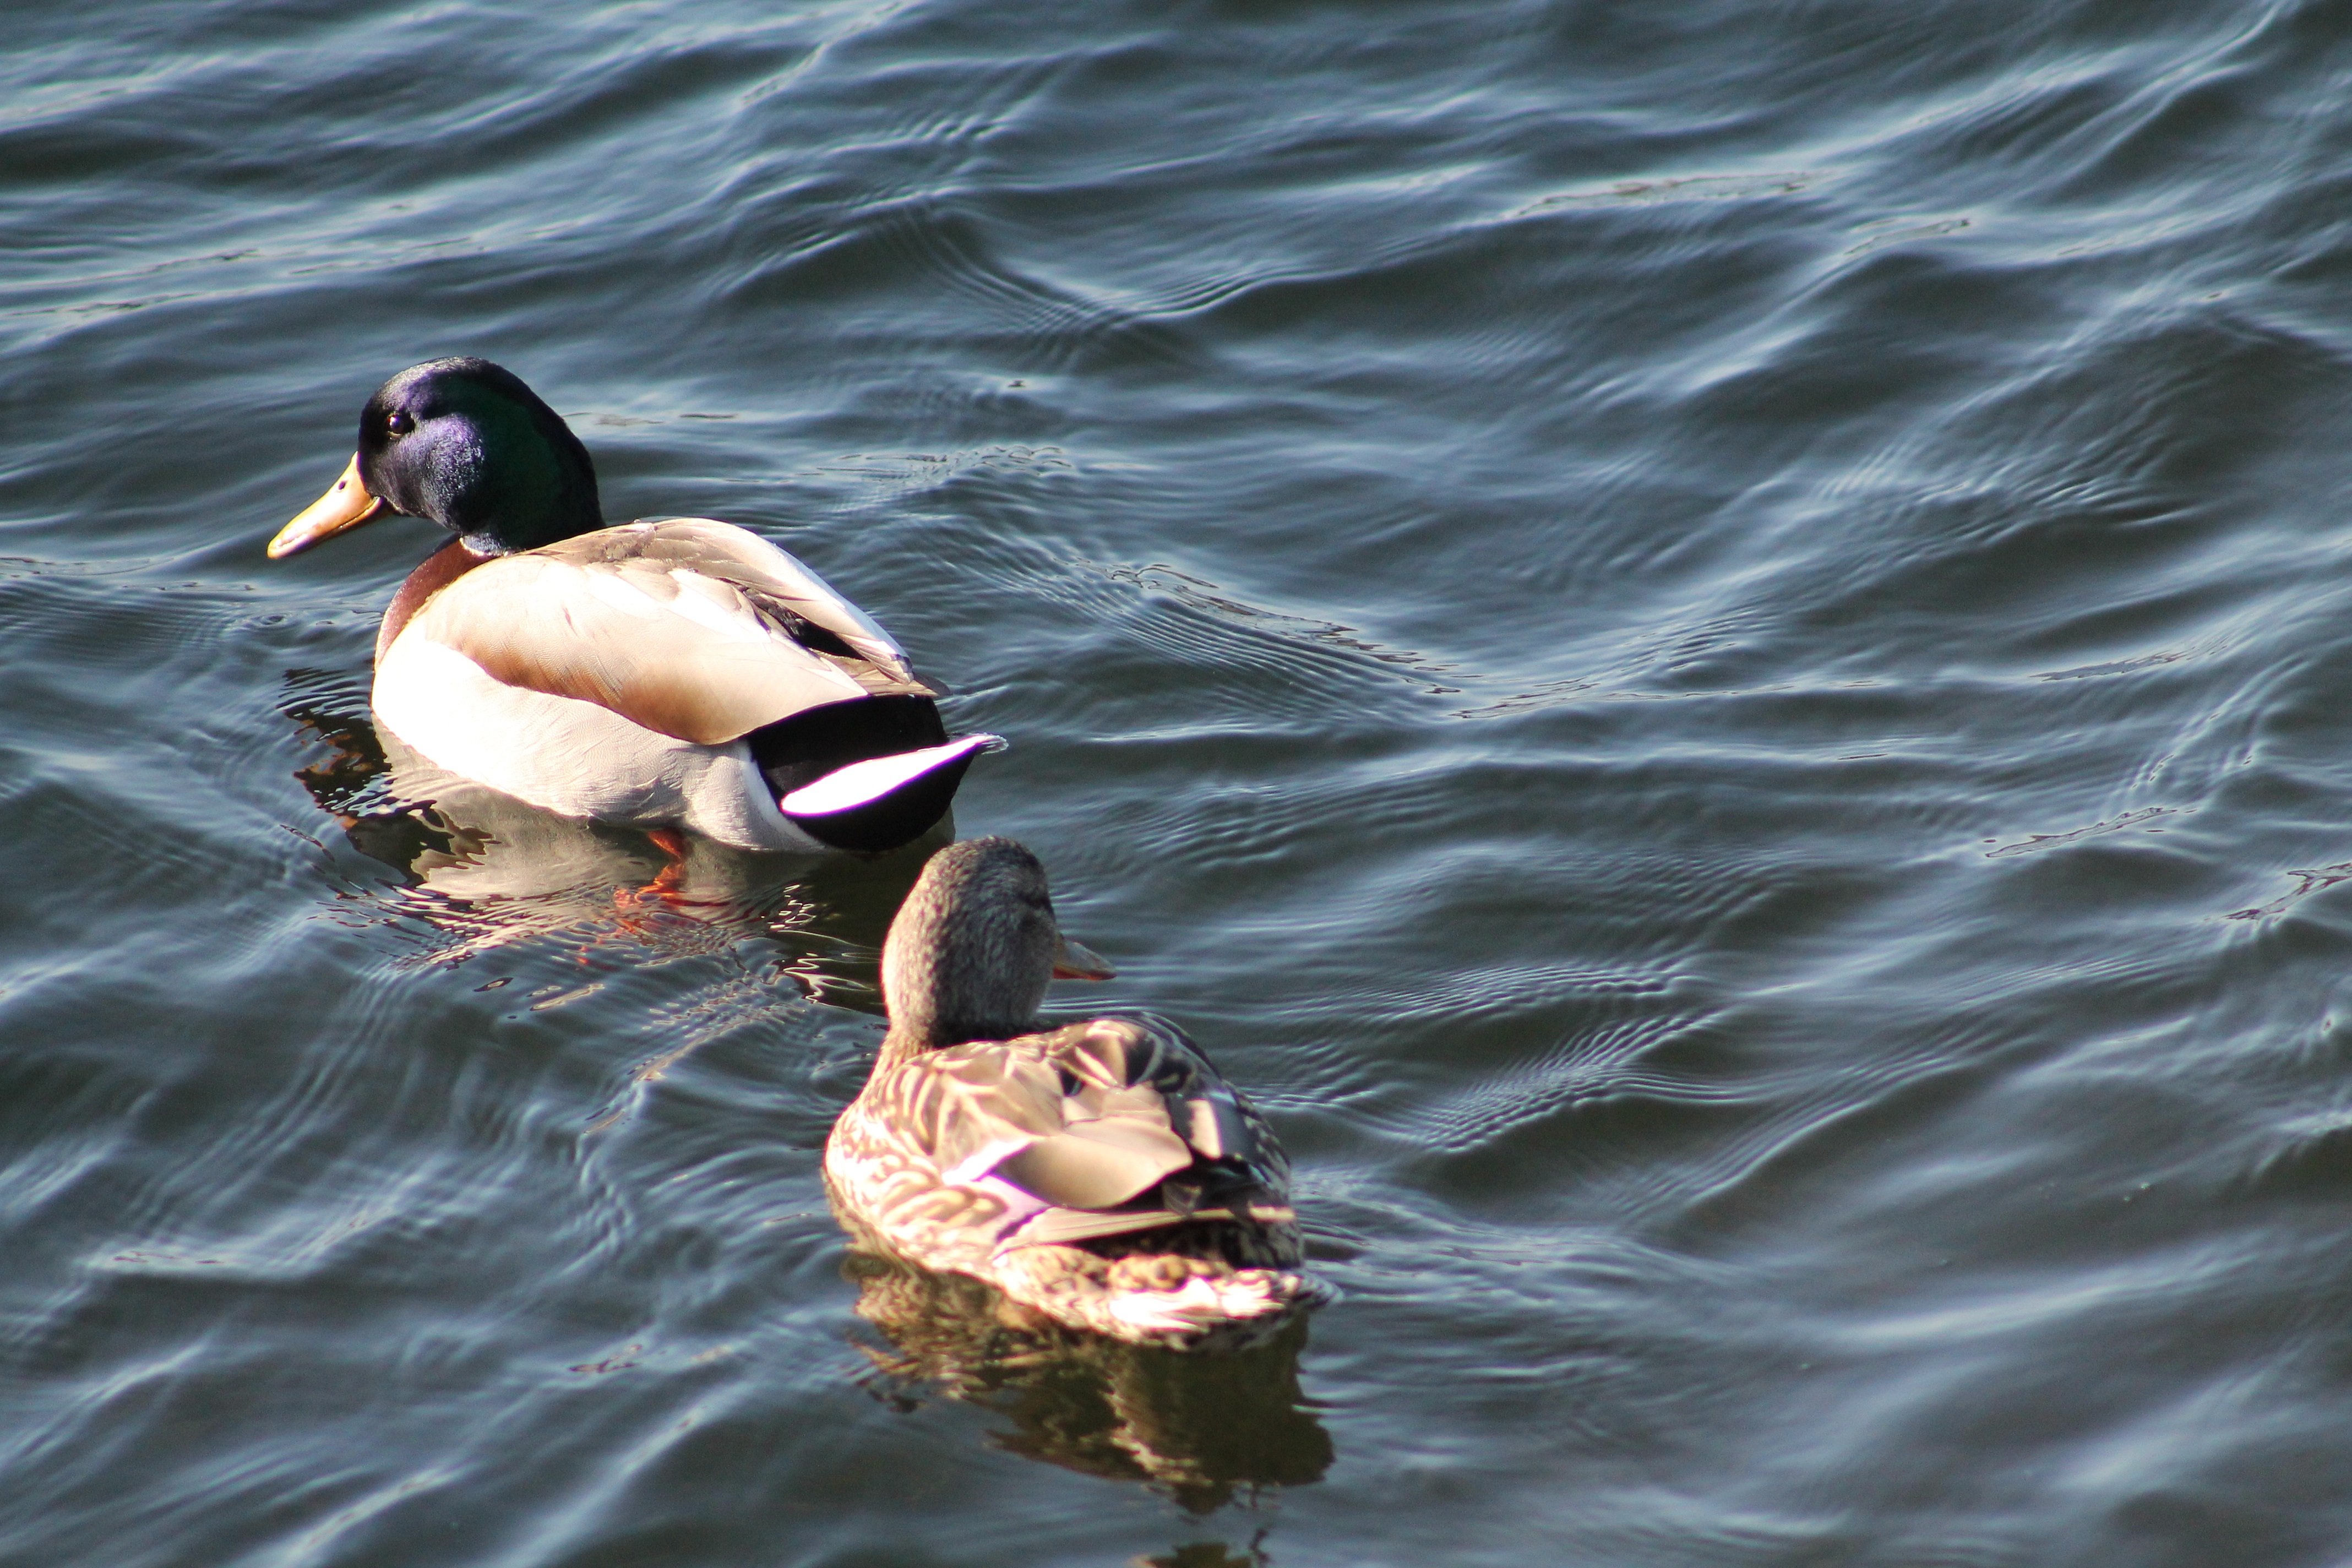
(1103, 1175)
(680, 672)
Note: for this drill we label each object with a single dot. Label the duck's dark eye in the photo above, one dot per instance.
(399, 422)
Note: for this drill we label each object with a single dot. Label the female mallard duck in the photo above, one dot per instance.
(1103, 1175)
(675, 673)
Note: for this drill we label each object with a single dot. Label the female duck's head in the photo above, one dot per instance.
(466, 443)
(972, 950)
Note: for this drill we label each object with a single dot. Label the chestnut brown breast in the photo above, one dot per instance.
(432, 574)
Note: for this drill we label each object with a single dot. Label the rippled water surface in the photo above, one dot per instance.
(1711, 642)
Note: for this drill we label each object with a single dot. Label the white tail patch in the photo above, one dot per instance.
(860, 784)
(1201, 1302)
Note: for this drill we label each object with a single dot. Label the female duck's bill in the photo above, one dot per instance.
(682, 671)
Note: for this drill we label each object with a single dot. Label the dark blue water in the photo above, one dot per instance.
(1708, 643)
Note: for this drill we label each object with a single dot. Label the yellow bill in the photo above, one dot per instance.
(345, 507)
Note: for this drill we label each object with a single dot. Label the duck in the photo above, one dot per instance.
(674, 674)
(1103, 1175)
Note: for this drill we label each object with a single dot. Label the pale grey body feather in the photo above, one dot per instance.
(686, 627)
(614, 675)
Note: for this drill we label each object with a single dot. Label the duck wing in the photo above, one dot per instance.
(693, 628)
(1100, 1128)
(783, 587)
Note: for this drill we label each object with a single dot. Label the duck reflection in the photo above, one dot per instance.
(1197, 1424)
(487, 870)
(1208, 1554)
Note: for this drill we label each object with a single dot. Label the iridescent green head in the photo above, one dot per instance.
(466, 443)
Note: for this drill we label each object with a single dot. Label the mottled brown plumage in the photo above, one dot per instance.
(1103, 1174)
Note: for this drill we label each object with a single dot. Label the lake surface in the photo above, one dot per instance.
(1710, 644)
